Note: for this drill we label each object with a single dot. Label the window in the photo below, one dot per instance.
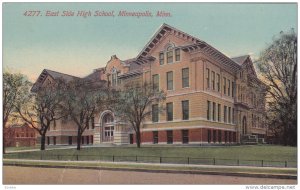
(229, 114)
(87, 139)
(232, 88)
(185, 77)
(170, 56)
(218, 82)
(177, 54)
(185, 110)
(161, 58)
(92, 139)
(70, 140)
(226, 136)
(155, 137)
(185, 136)
(219, 136)
(225, 114)
(224, 83)
(114, 79)
(170, 80)
(213, 80)
(219, 112)
(208, 110)
(214, 111)
(228, 87)
(93, 122)
(214, 136)
(233, 120)
(170, 137)
(18, 135)
(54, 125)
(155, 79)
(207, 78)
(155, 113)
(54, 140)
(170, 111)
(48, 140)
(208, 136)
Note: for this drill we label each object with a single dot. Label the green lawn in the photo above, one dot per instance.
(229, 155)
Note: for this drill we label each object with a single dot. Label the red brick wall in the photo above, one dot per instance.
(162, 136)
(194, 135)
(204, 135)
(177, 136)
(147, 136)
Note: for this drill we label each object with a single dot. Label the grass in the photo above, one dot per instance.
(287, 171)
(229, 155)
(21, 148)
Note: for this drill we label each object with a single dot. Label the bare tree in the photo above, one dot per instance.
(278, 68)
(40, 109)
(14, 87)
(82, 100)
(133, 104)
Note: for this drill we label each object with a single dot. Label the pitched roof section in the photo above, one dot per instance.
(163, 29)
(241, 59)
(196, 45)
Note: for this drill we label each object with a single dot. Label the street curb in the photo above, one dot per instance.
(239, 174)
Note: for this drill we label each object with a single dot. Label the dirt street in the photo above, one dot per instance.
(27, 175)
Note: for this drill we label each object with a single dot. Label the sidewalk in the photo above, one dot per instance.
(242, 171)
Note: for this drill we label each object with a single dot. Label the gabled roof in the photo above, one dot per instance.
(194, 44)
(54, 74)
(163, 29)
(241, 59)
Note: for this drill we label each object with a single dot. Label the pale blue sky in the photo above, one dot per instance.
(76, 45)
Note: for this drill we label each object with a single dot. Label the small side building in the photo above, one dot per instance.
(19, 136)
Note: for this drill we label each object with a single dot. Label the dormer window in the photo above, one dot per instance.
(171, 54)
(114, 77)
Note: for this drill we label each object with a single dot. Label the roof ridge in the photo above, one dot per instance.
(61, 73)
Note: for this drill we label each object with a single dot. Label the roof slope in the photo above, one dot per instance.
(240, 60)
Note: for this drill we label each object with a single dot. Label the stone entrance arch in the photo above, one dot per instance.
(107, 127)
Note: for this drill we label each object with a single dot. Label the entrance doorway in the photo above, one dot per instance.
(108, 128)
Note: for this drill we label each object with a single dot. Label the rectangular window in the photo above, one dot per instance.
(155, 113)
(219, 136)
(155, 137)
(213, 80)
(170, 56)
(161, 58)
(219, 112)
(208, 136)
(228, 87)
(218, 82)
(233, 120)
(170, 80)
(48, 140)
(185, 78)
(207, 77)
(214, 136)
(93, 122)
(185, 110)
(70, 140)
(229, 114)
(208, 110)
(170, 137)
(214, 111)
(225, 114)
(185, 136)
(87, 139)
(232, 88)
(155, 79)
(54, 140)
(170, 111)
(224, 83)
(226, 136)
(177, 54)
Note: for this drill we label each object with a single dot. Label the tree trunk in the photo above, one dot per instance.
(43, 140)
(78, 140)
(138, 138)
(3, 133)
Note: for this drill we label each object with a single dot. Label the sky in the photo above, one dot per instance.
(76, 45)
